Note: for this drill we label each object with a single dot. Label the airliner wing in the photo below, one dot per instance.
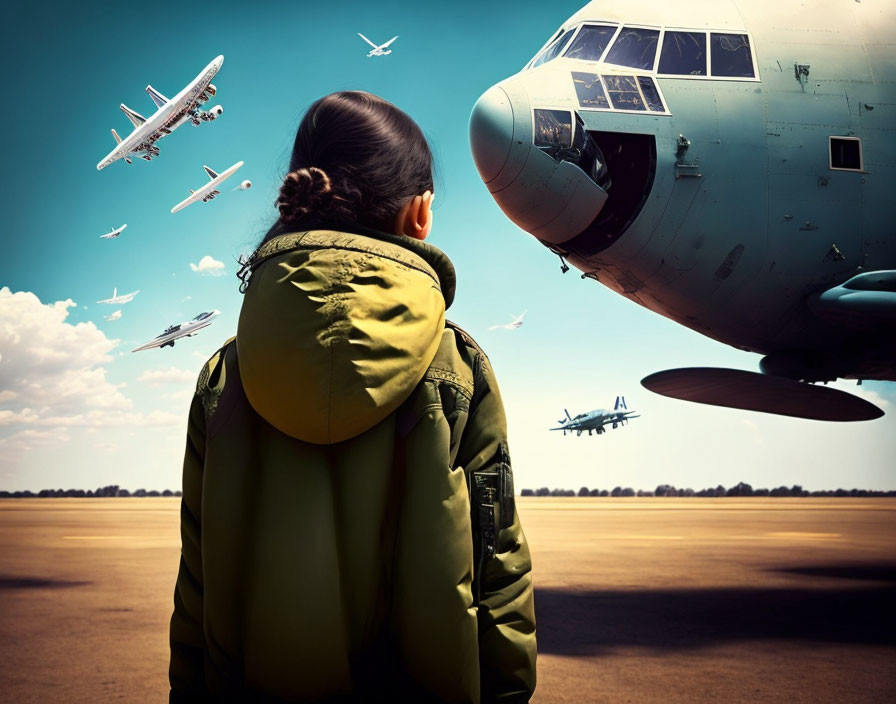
(368, 41)
(383, 46)
(192, 198)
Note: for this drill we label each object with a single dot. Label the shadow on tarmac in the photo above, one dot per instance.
(8, 583)
(589, 622)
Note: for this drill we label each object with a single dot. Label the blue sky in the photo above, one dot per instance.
(77, 409)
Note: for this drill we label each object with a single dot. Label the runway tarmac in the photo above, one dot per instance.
(637, 600)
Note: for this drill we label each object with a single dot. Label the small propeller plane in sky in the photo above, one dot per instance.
(378, 49)
(513, 325)
(175, 332)
(115, 233)
(123, 298)
(170, 115)
(597, 420)
(209, 190)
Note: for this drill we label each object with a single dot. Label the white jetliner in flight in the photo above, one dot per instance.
(175, 332)
(170, 115)
(123, 298)
(209, 190)
(378, 49)
(513, 325)
(115, 233)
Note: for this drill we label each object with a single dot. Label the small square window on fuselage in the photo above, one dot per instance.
(846, 153)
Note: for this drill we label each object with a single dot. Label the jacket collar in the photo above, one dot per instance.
(433, 256)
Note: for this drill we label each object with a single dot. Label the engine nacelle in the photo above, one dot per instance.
(215, 112)
(210, 89)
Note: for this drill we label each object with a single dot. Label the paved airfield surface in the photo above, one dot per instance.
(638, 600)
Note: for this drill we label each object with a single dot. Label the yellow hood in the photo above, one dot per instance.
(337, 329)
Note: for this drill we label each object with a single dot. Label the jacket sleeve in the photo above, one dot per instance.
(186, 670)
(504, 581)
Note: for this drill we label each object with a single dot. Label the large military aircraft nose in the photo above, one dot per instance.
(491, 132)
(546, 180)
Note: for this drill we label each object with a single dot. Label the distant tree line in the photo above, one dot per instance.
(740, 489)
(103, 491)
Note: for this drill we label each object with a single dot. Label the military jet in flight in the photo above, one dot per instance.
(209, 190)
(597, 420)
(175, 332)
(517, 322)
(123, 298)
(719, 164)
(170, 115)
(114, 233)
(378, 49)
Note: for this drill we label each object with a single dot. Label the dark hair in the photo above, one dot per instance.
(356, 159)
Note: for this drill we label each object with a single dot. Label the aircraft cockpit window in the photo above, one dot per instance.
(846, 153)
(624, 93)
(651, 94)
(553, 129)
(683, 54)
(730, 55)
(590, 42)
(596, 94)
(554, 49)
(635, 48)
(562, 135)
(589, 90)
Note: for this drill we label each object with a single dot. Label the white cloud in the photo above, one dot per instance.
(208, 266)
(172, 375)
(52, 378)
(180, 395)
(114, 315)
(185, 299)
(28, 439)
(52, 367)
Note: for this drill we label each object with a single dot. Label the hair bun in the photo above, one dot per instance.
(304, 191)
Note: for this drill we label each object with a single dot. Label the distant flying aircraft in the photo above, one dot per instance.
(115, 233)
(123, 298)
(209, 190)
(244, 186)
(723, 172)
(378, 49)
(513, 325)
(597, 420)
(170, 115)
(175, 332)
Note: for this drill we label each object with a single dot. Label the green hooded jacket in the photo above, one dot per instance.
(348, 524)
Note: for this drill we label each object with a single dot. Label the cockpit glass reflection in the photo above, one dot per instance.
(635, 48)
(589, 90)
(553, 129)
(624, 92)
(553, 51)
(730, 54)
(590, 42)
(683, 54)
(651, 94)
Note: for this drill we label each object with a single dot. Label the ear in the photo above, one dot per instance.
(415, 217)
